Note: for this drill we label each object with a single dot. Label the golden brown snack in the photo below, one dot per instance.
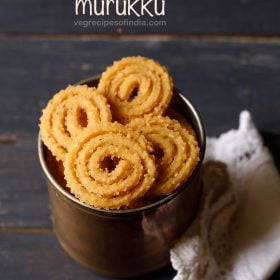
(56, 168)
(136, 86)
(171, 113)
(176, 151)
(110, 167)
(69, 113)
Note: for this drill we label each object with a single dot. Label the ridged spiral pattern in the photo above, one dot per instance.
(136, 86)
(69, 113)
(176, 151)
(110, 167)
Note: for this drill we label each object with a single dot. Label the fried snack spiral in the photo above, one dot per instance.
(136, 86)
(69, 113)
(110, 167)
(174, 115)
(176, 151)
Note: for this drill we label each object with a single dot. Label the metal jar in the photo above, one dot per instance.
(125, 243)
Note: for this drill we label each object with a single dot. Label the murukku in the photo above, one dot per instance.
(68, 114)
(110, 167)
(176, 152)
(171, 113)
(136, 86)
(56, 168)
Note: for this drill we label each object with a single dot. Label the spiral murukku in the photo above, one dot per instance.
(68, 114)
(184, 122)
(176, 152)
(110, 167)
(136, 86)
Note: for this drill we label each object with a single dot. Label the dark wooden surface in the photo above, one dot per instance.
(41, 52)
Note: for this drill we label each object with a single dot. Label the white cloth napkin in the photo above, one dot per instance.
(236, 234)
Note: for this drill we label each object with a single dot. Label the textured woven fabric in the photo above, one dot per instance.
(236, 234)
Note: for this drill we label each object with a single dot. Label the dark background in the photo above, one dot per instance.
(223, 55)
